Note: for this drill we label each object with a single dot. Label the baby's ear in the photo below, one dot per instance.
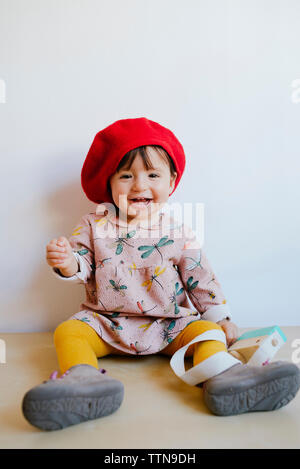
(172, 181)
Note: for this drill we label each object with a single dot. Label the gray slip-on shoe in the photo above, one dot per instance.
(245, 388)
(82, 393)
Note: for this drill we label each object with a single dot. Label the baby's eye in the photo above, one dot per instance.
(153, 175)
(126, 176)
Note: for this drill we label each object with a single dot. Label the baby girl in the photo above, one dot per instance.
(141, 267)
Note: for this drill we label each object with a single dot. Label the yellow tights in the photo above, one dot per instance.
(76, 343)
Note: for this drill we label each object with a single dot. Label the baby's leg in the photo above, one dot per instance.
(234, 388)
(78, 343)
(83, 392)
(201, 350)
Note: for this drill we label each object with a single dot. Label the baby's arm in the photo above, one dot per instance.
(231, 330)
(60, 255)
(72, 260)
(203, 288)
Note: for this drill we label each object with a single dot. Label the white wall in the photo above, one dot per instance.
(221, 74)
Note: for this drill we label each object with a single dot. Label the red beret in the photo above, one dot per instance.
(113, 142)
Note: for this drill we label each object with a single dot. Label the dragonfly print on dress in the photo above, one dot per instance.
(168, 332)
(191, 285)
(153, 278)
(174, 305)
(141, 307)
(120, 241)
(117, 287)
(149, 249)
(195, 262)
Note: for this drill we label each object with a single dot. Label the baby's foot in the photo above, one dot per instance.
(244, 388)
(82, 393)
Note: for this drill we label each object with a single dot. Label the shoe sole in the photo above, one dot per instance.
(59, 413)
(262, 397)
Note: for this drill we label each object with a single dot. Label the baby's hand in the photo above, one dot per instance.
(230, 329)
(59, 253)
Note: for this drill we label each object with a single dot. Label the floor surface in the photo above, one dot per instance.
(158, 411)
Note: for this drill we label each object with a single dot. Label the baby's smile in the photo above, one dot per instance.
(140, 202)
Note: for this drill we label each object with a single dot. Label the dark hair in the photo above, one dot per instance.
(128, 159)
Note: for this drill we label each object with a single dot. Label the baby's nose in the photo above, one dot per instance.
(139, 183)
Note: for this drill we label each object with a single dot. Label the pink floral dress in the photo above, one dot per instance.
(142, 282)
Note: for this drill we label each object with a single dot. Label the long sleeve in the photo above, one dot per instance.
(200, 282)
(83, 250)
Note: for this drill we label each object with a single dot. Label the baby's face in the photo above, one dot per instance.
(139, 192)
